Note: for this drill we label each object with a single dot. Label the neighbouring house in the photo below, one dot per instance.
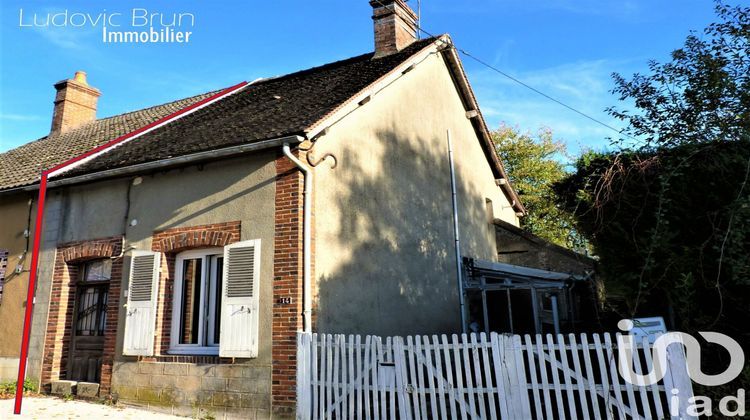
(178, 265)
(532, 287)
(15, 211)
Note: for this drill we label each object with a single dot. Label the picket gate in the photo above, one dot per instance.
(477, 376)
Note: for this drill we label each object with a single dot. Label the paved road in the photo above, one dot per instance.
(44, 408)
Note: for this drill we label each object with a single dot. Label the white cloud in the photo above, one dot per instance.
(582, 85)
(20, 117)
(620, 9)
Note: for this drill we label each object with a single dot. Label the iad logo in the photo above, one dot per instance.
(626, 345)
(659, 355)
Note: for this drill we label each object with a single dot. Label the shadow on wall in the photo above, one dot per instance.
(394, 226)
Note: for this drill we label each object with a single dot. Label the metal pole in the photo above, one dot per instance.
(457, 241)
(485, 314)
(510, 311)
(555, 315)
(535, 307)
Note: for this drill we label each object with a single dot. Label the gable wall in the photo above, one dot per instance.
(385, 261)
(514, 248)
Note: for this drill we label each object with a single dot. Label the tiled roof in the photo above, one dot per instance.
(267, 109)
(23, 165)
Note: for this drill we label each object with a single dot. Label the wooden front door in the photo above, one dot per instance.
(89, 321)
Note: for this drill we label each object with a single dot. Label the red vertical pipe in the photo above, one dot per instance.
(30, 293)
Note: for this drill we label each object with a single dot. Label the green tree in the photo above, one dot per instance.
(534, 162)
(669, 216)
(702, 95)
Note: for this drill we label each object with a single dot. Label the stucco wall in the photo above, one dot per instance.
(51, 233)
(14, 214)
(385, 261)
(239, 189)
(8, 368)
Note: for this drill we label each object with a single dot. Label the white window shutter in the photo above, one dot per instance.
(140, 318)
(240, 300)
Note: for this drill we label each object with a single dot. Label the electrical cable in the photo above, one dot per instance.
(520, 82)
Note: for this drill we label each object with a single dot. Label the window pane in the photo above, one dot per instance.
(215, 298)
(99, 270)
(103, 312)
(92, 309)
(190, 300)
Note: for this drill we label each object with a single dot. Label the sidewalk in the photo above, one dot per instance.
(44, 408)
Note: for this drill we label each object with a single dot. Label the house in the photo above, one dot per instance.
(520, 247)
(532, 287)
(15, 211)
(178, 265)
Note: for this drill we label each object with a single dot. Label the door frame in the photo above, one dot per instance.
(80, 285)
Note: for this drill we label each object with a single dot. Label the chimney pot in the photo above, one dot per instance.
(395, 26)
(80, 77)
(75, 103)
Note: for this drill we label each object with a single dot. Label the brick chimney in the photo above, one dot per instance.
(75, 103)
(395, 26)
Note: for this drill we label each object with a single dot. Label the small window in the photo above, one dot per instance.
(3, 267)
(196, 310)
(489, 211)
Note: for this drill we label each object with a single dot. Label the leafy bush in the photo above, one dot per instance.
(8, 389)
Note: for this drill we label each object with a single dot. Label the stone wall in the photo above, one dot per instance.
(195, 390)
(518, 247)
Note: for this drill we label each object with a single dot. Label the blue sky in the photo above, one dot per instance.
(566, 48)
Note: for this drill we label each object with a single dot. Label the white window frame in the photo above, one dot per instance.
(194, 349)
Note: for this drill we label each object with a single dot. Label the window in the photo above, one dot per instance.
(3, 266)
(215, 304)
(196, 308)
(489, 211)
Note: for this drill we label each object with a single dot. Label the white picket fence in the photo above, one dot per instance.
(479, 377)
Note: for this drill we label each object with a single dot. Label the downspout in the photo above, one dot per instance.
(306, 249)
(456, 237)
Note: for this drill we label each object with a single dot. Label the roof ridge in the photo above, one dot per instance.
(297, 73)
(103, 119)
(212, 92)
(281, 105)
(343, 62)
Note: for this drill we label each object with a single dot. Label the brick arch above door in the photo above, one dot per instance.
(75, 252)
(61, 306)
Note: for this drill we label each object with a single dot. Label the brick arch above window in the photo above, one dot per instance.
(75, 252)
(180, 239)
